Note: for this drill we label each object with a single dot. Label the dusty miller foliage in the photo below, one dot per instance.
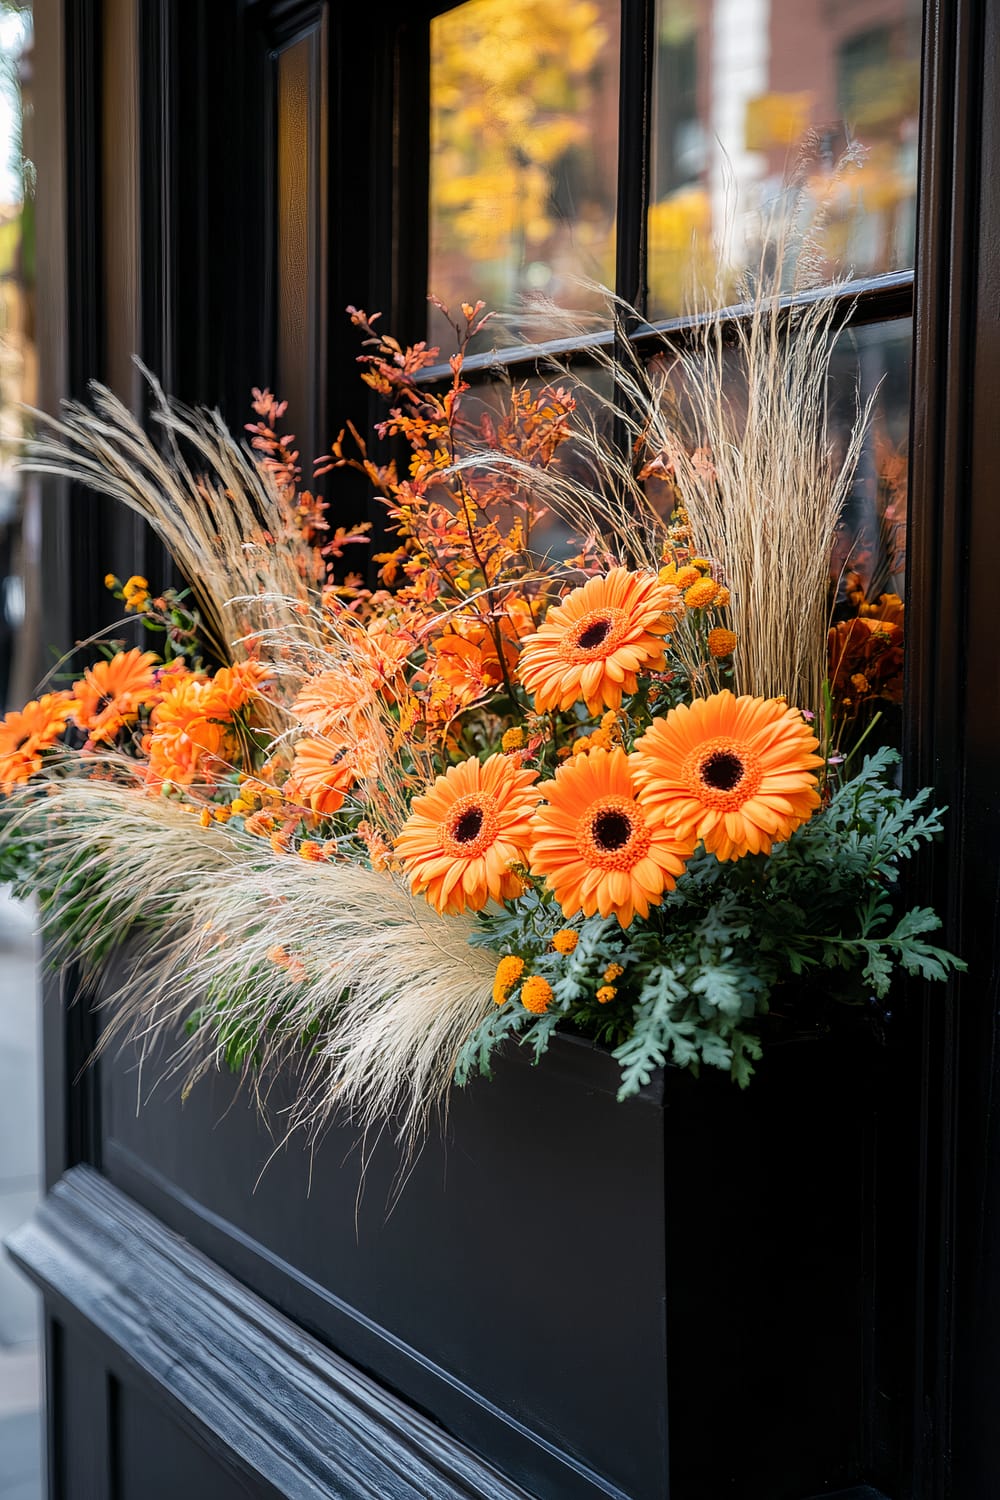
(703, 969)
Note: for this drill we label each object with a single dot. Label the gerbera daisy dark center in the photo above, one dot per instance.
(612, 830)
(469, 826)
(722, 770)
(595, 634)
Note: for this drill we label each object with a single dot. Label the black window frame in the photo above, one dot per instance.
(884, 297)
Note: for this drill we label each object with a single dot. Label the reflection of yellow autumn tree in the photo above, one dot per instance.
(513, 93)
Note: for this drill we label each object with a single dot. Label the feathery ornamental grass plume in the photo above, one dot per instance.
(330, 968)
(213, 506)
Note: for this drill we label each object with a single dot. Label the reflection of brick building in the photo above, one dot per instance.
(741, 84)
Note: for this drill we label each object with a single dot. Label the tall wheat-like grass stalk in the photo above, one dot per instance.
(737, 413)
(762, 485)
(203, 494)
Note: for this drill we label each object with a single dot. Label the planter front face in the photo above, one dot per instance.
(537, 1279)
(511, 1283)
(769, 1308)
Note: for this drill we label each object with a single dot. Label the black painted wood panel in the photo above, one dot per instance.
(553, 1306)
(270, 1408)
(419, 1286)
(861, 1209)
(155, 1457)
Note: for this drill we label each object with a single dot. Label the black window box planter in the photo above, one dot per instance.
(666, 1296)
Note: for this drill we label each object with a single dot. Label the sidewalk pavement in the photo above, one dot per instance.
(20, 1185)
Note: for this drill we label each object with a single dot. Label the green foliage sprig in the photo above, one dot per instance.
(699, 974)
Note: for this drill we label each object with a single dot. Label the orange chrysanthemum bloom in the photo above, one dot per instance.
(733, 772)
(323, 770)
(233, 687)
(187, 740)
(110, 693)
(463, 835)
(594, 641)
(594, 844)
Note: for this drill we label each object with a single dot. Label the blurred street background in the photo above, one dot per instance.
(20, 1129)
(20, 1183)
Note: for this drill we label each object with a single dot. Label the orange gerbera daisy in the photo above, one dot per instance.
(36, 726)
(594, 641)
(110, 693)
(332, 700)
(463, 835)
(596, 847)
(733, 772)
(26, 732)
(323, 770)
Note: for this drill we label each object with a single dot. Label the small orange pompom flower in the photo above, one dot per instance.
(509, 970)
(594, 642)
(565, 941)
(594, 844)
(721, 642)
(536, 994)
(701, 594)
(686, 576)
(736, 773)
(462, 836)
(606, 993)
(136, 593)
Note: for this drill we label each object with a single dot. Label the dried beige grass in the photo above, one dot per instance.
(767, 506)
(750, 395)
(205, 497)
(371, 1000)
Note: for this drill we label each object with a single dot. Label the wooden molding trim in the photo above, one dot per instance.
(248, 1382)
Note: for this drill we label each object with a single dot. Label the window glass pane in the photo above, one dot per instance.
(523, 168)
(750, 95)
(869, 567)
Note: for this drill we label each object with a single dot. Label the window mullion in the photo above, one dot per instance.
(635, 105)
